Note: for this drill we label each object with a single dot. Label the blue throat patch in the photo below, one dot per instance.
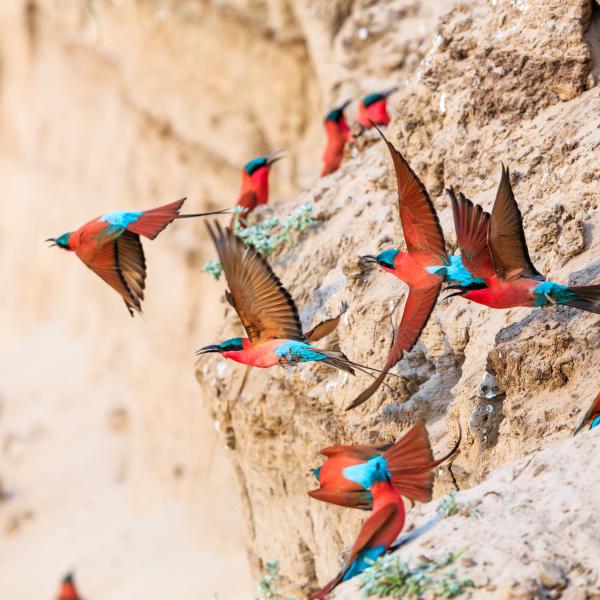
(295, 352)
(121, 218)
(363, 561)
(255, 164)
(372, 98)
(558, 293)
(368, 473)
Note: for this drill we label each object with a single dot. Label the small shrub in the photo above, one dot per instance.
(267, 236)
(268, 586)
(391, 578)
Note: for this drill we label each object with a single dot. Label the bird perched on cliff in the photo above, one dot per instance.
(338, 134)
(345, 477)
(267, 312)
(592, 417)
(110, 246)
(379, 531)
(372, 109)
(68, 591)
(494, 250)
(255, 185)
(425, 247)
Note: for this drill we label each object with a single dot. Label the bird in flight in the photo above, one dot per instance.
(268, 313)
(425, 249)
(110, 246)
(494, 251)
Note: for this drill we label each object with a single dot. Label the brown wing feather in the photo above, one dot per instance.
(471, 223)
(324, 328)
(132, 263)
(104, 258)
(417, 310)
(264, 306)
(506, 236)
(420, 223)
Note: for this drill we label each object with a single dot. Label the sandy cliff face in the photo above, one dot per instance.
(489, 82)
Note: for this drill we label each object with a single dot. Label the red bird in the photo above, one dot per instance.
(410, 463)
(425, 248)
(338, 134)
(494, 250)
(255, 185)
(110, 246)
(372, 109)
(592, 417)
(68, 591)
(377, 534)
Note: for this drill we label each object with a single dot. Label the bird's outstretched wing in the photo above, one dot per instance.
(422, 230)
(506, 236)
(120, 262)
(417, 310)
(471, 223)
(324, 328)
(264, 306)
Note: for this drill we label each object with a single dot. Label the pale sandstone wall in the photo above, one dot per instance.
(497, 81)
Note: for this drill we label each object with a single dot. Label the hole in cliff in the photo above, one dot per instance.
(31, 14)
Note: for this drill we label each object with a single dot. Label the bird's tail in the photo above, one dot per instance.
(153, 221)
(588, 298)
(338, 360)
(330, 586)
(411, 463)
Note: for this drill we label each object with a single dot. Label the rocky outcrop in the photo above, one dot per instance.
(501, 81)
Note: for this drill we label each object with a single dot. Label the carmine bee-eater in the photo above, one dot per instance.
(338, 134)
(378, 532)
(255, 184)
(346, 476)
(592, 417)
(494, 250)
(68, 591)
(425, 247)
(372, 109)
(267, 312)
(110, 246)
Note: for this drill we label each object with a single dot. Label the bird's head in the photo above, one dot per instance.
(384, 259)
(61, 241)
(227, 346)
(336, 118)
(262, 163)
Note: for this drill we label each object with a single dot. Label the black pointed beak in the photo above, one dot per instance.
(273, 157)
(460, 292)
(53, 240)
(343, 105)
(368, 258)
(207, 349)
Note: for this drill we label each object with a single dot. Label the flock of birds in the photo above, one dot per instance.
(493, 268)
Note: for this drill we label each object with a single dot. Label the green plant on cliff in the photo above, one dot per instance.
(266, 236)
(389, 577)
(268, 586)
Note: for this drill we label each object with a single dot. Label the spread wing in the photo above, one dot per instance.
(264, 306)
(120, 262)
(506, 236)
(417, 309)
(324, 328)
(471, 223)
(422, 230)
